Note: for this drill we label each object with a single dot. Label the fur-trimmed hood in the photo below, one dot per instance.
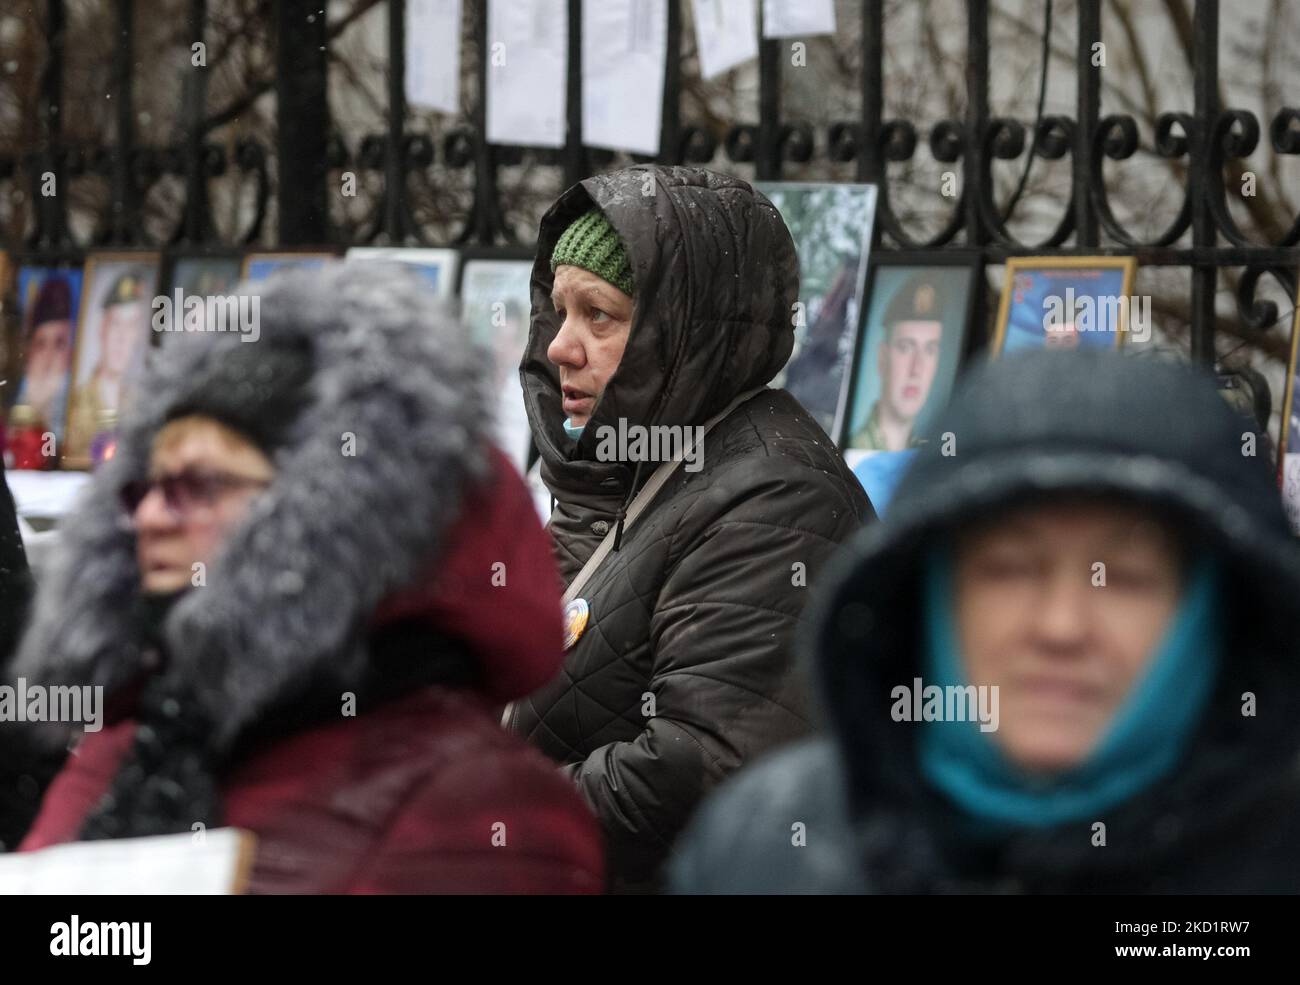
(337, 536)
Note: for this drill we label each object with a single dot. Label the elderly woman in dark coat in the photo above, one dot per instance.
(664, 298)
(1065, 663)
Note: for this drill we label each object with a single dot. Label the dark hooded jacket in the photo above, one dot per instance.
(365, 570)
(1225, 820)
(685, 670)
(15, 580)
(18, 789)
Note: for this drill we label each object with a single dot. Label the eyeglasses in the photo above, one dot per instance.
(186, 491)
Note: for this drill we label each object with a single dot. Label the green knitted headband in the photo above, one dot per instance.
(591, 243)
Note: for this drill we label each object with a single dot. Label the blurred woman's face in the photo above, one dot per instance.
(202, 478)
(1061, 607)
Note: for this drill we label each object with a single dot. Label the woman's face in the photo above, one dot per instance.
(596, 320)
(1061, 607)
(215, 474)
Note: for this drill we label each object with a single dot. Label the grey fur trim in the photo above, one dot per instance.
(297, 581)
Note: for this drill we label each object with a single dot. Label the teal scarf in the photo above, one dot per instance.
(1144, 741)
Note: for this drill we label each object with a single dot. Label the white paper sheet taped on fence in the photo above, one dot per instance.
(726, 32)
(624, 44)
(798, 18)
(433, 54)
(167, 865)
(528, 49)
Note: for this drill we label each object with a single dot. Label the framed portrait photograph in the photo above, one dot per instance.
(114, 328)
(831, 227)
(437, 267)
(205, 275)
(259, 266)
(1069, 303)
(48, 303)
(915, 325)
(495, 308)
(194, 277)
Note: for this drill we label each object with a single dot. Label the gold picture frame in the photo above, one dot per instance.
(1125, 266)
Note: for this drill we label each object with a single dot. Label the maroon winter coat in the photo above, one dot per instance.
(424, 793)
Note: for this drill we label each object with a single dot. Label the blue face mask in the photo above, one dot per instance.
(1143, 742)
(574, 432)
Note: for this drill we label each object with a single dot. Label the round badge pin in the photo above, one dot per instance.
(576, 614)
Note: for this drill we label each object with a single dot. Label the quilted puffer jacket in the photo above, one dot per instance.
(684, 671)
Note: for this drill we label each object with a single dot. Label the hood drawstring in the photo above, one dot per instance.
(618, 528)
(622, 510)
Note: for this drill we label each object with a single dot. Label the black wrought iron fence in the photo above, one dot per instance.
(308, 156)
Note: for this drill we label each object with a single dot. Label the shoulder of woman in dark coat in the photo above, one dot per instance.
(778, 826)
(772, 448)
